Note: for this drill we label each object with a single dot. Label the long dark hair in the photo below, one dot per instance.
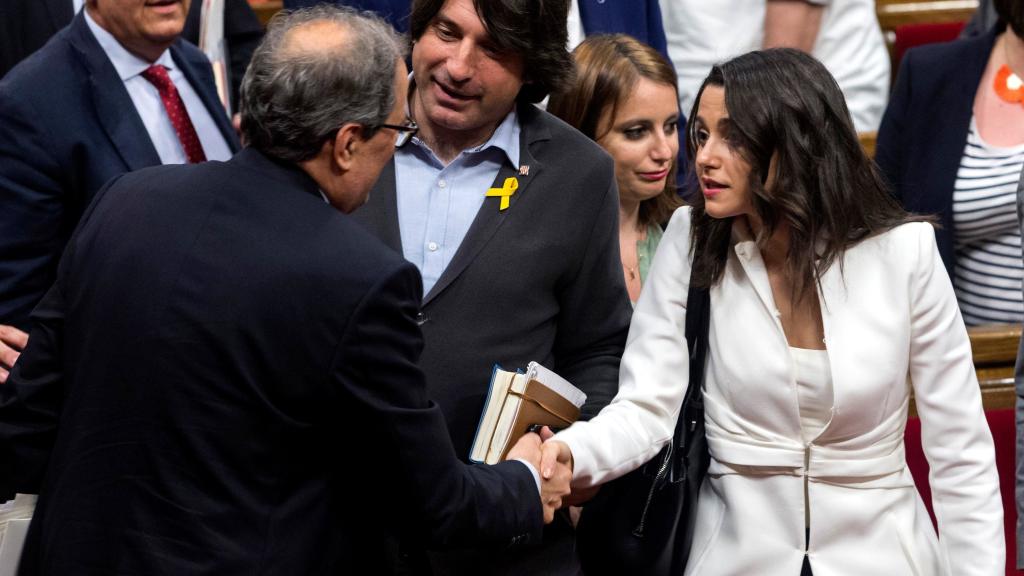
(608, 69)
(1011, 12)
(784, 104)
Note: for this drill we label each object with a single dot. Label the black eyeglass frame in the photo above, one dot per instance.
(405, 131)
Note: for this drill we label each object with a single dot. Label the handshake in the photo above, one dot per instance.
(553, 460)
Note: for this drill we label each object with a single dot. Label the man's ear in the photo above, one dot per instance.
(347, 145)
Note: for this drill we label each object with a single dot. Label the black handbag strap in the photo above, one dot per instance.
(698, 322)
(691, 414)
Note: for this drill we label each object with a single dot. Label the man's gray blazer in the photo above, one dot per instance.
(540, 280)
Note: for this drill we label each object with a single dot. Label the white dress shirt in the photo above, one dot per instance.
(151, 109)
(438, 203)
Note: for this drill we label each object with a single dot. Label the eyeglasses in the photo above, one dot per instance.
(405, 131)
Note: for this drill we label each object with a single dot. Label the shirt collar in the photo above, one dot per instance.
(504, 138)
(128, 65)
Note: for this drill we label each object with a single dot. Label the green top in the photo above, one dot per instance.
(645, 250)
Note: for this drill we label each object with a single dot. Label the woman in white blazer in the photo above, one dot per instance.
(829, 307)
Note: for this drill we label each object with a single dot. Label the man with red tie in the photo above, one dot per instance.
(115, 91)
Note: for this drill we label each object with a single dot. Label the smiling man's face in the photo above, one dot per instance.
(464, 85)
(144, 27)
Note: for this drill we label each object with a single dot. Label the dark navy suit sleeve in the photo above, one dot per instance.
(656, 29)
(36, 215)
(31, 400)
(441, 498)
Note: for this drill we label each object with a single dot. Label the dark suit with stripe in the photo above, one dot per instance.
(223, 382)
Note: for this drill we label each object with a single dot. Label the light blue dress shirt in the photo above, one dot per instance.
(151, 109)
(437, 203)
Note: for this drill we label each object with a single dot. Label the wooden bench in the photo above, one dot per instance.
(995, 352)
(895, 13)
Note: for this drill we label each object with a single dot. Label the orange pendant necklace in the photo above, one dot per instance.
(1008, 86)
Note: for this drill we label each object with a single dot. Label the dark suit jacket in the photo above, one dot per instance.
(67, 125)
(25, 25)
(541, 280)
(924, 129)
(223, 381)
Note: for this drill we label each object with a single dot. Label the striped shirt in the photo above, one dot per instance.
(989, 266)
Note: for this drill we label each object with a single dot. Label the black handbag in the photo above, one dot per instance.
(642, 523)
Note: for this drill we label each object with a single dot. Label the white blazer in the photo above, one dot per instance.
(891, 323)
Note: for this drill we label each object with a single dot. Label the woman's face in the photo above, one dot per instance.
(643, 140)
(723, 173)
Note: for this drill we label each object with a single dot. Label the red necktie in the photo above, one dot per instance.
(157, 76)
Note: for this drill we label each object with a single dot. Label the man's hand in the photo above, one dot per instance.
(554, 485)
(555, 466)
(12, 342)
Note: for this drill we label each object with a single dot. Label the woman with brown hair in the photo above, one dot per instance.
(625, 99)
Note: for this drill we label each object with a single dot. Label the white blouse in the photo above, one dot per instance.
(813, 375)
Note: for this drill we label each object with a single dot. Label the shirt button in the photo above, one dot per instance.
(432, 246)
(441, 183)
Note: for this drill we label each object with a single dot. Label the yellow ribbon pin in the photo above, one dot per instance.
(507, 190)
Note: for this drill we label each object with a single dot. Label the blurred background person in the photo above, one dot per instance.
(829, 307)
(116, 90)
(952, 144)
(843, 34)
(625, 99)
(396, 12)
(638, 18)
(25, 25)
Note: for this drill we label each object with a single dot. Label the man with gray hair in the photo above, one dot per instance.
(223, 379)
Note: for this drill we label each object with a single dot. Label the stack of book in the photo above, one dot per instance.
(518, 402)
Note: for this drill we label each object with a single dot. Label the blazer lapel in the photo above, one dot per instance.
(114, 107)
(491, 216)
(380, 214)
(200, 76)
